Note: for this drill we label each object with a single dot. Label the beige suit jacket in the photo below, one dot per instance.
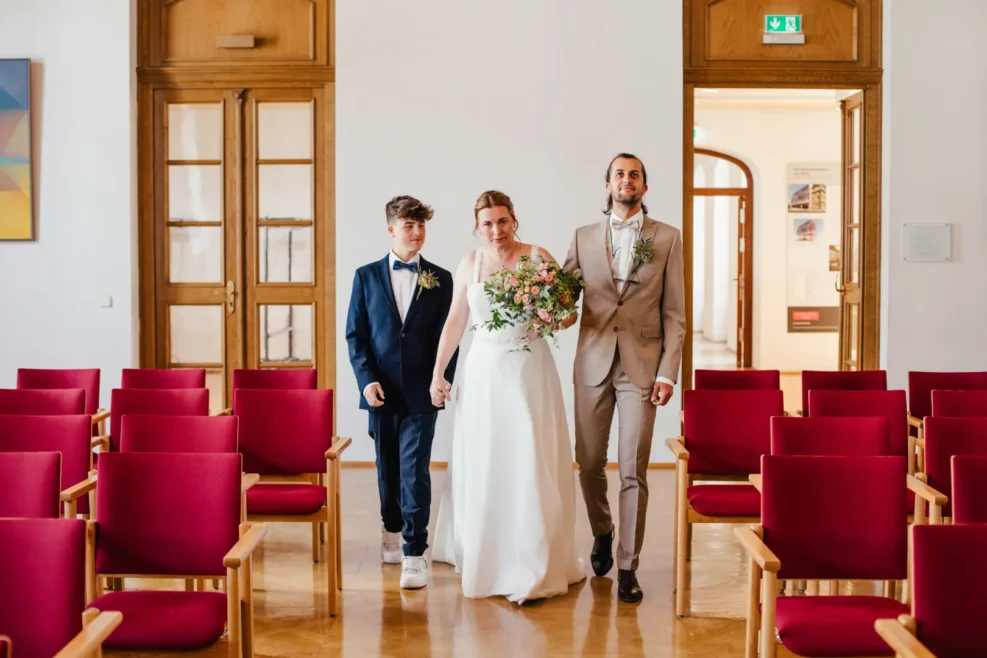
(646, 320)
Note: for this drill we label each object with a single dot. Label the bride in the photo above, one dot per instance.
(507, 514)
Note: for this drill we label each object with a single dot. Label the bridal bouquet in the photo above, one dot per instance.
(538, 293)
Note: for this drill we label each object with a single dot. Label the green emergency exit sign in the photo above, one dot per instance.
(782, 24)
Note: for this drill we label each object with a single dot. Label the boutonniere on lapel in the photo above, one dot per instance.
(642, 252)
(426, 281)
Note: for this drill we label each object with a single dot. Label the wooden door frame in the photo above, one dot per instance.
(866, 80)
(747, 194)
(230, 75)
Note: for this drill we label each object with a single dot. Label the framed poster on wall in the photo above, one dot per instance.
(813, 230)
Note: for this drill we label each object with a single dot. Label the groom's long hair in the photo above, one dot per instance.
(644, 174)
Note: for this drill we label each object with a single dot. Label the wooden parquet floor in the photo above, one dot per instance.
(379, 619)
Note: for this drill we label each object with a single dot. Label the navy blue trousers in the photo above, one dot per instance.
(404, 450)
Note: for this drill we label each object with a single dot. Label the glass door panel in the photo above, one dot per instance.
(195, 234)
(285, 201)
(850, 268)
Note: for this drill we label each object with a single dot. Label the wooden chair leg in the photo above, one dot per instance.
(247, 607)
(315, 541)
(233, 626)
(682, 536)
(332, 546)
(338, 513)
(753, 610)
(769, 589)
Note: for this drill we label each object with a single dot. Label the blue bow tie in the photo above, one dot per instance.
(398, 265)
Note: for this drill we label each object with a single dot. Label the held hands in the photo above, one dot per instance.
(661, 394)
(374, 395)
(441, 390)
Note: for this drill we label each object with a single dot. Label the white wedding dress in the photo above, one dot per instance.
(507, 514)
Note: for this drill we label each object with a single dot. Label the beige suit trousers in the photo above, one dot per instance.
(635, 422)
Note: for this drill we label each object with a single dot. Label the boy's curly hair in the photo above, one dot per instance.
(407, 207)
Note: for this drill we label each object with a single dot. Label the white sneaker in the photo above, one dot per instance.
(390, 547)
(414, 572)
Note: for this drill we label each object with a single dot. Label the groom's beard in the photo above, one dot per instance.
(627, 199)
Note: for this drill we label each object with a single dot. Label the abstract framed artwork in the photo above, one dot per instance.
(16, 186)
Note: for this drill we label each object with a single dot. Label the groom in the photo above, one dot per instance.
(397, 309)
(630, 346)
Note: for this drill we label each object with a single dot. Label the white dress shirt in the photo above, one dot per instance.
(623, 234)
(403, 284)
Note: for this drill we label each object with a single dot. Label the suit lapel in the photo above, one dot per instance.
(384, 277)
(649, 229)
(423, 266)
(608, 248)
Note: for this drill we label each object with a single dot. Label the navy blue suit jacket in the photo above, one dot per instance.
(399, 356)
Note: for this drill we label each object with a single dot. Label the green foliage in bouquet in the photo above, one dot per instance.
(538, 294)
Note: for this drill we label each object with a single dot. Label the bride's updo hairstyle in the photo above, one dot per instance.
(492, 199)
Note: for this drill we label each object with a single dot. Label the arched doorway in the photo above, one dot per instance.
(723, 261)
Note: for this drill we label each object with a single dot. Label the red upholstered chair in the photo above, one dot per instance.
(54, 402)
(887, 404)
(84, 378)
(275, 379)
(67, 435)
(921, 384)
(170, 433)
(959, 404)
(188, 434)
(163, 378)
(944, 438)
(726, 432)
(43, 585)
(284, 378)
(288, 436)
(738, 380)
(140, 499)
(950, 595)
(29, 484)
(825, 518)
(840, 380)
(167, 402)
(969, 497)
(829, 436)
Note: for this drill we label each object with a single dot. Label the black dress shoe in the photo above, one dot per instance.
(627, 588)
(602, 556)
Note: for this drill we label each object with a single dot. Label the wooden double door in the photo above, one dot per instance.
(238, 226)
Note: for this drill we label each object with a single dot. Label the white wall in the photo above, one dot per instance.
(444, 99)
(84, 100)
(936, 163)
(767, 139)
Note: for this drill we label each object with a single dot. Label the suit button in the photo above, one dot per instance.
(620, 303)
(402, 334)
(616, 329)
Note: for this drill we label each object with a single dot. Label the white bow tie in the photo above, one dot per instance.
(618, 224)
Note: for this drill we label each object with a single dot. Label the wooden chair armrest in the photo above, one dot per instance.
(243, 548)
(78, 490)
(677, 447)
(925, 491)
(92, 636)
(757, 550)
(101, 442)
(755, 479)
(100, 416)
(338, 446)
(914, 422)
(898, 638)
(226, 412)
(248, 480)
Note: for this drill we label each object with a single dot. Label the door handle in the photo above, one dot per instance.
(230, 297)
(836, 284)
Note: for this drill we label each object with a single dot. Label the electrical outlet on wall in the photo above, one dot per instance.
(106, 301)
